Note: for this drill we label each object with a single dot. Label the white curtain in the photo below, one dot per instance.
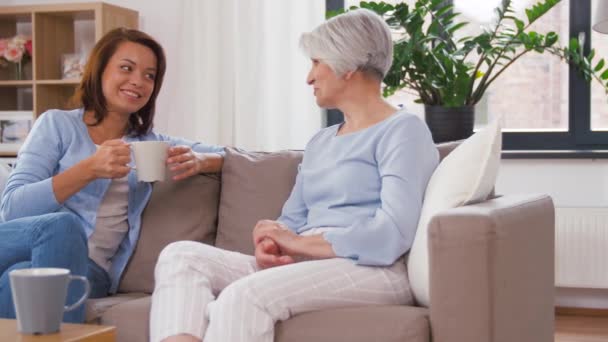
(241, 78)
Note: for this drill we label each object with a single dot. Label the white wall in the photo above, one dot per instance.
(570, 182)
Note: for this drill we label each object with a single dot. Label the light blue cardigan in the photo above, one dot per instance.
(59, 140)
(367, 185)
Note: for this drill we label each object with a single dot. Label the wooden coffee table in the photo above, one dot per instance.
(68, 332)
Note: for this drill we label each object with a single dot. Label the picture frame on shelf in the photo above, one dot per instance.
(72, 65)
(14, 128)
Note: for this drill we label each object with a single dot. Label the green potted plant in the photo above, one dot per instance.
(451, 75)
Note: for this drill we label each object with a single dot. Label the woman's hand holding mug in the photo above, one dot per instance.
(111, 160)
(185, 162)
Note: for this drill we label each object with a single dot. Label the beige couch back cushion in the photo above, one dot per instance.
(183, 210)
(255, 185)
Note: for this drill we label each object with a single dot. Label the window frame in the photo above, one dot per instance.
(580, 140)
(333, 116)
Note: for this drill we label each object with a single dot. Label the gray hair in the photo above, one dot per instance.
(355, 40)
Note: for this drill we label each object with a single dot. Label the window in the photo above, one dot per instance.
(538, 82)
(544, 104)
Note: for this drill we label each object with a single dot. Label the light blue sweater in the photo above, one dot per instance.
(369, 184)
(59, 140)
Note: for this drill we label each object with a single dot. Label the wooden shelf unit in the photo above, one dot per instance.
(56, 30)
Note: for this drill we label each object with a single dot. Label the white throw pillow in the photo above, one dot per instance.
(467, 175)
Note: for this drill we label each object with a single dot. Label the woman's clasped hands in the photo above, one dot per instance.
(275, 244)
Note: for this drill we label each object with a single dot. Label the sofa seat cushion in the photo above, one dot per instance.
(131, 319)
(373, 323)
(182, 210)
(255, 185)
(361, 324)
(94, 308)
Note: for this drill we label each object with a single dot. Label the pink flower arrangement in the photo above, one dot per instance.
(16, 49)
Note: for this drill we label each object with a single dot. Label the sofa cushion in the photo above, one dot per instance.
(95, 307)
(467, 175)
(131, 319)
(446, 148)
(255, 185)
(372, 323)
(183, 210)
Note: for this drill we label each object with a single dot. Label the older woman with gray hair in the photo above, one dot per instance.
(350, 218)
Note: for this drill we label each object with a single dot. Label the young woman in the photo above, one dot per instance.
(351, 215)
(73, 201)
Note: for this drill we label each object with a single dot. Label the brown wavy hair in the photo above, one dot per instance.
(89, 93)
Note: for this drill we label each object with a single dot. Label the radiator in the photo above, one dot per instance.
(581, 247)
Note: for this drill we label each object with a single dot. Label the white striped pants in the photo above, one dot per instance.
(223, 296)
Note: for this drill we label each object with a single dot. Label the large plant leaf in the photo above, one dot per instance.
(540, 9)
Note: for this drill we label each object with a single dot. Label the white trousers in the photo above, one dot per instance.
(223, 296)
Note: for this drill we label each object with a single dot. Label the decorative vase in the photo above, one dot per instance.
(449, 124)
(19, 71)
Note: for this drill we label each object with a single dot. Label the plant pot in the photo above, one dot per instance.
(449, 124)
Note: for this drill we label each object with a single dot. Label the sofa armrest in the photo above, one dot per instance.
(492, 271)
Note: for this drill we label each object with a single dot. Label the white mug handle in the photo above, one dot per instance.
(87, 291)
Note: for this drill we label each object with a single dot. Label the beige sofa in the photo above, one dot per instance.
(491, 263)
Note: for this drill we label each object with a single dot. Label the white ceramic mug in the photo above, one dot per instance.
(39, 295)
(150, 160)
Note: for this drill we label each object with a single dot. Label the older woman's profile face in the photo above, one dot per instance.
(327, 86)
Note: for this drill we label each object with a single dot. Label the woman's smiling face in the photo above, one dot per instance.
(128, 78)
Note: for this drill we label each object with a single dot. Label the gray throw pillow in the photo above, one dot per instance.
(183, 210)
(255, 185)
